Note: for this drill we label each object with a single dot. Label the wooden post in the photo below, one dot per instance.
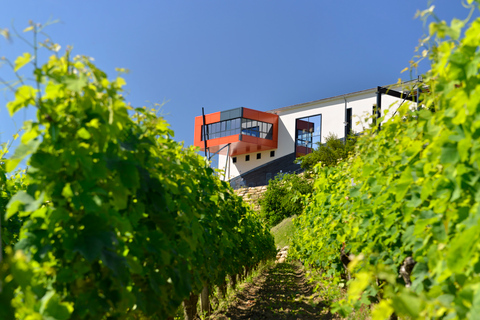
(190, 307)
(222, 289)
(233, 280)
(205, 301)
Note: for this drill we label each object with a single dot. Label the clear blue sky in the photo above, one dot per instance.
(221, 54)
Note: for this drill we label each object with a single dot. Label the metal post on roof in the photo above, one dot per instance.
(378, 107)
(204, 133)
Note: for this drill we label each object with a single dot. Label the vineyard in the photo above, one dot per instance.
(112, 218)
(105, 216)
(399, 223)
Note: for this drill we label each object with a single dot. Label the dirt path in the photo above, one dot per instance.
(280, 292)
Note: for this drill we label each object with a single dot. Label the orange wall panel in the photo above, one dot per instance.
(197, 135)
(247, 144)
(197, 131)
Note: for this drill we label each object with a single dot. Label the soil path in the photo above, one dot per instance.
(280, 292)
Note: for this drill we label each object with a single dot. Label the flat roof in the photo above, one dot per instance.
(304, 104)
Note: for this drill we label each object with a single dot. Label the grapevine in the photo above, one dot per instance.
(114, 210)
(404, 209)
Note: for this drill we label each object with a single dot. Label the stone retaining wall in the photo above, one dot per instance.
(251, 195)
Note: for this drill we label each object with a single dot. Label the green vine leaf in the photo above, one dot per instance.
(22, 61)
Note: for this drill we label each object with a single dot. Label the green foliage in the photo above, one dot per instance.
(330, 153)
(283, 232)
(9, 228)
(284, 197)
(115, 211)
(411, 191)
(26, 293)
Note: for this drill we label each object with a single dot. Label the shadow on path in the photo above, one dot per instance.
(279, 293)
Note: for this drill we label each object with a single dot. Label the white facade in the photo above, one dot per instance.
(333, 115)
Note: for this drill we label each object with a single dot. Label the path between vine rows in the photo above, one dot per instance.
(280, 292)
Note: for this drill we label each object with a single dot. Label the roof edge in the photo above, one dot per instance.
(306, 104)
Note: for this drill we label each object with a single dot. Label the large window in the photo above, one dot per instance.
(244, 126)
(304, 138)
(348, 125)
(257, 129)
(308, 135)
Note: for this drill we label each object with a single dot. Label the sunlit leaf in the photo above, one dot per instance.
(22, 60)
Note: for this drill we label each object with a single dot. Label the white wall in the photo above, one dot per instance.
(242, 166)
(333, 119)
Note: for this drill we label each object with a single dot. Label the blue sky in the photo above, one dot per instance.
(222, 54)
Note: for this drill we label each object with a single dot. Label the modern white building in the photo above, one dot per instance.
(261, 144)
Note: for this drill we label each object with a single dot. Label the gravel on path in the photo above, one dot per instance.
(280, 292)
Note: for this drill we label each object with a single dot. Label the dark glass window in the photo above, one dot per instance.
(251, 131)
(272, 153)
(234, 159)
(348, 125)
(308, 135)
(269, 131)
(304, 138)
(247, 157)
(244, 126)
(236, 123)
(259, 156)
